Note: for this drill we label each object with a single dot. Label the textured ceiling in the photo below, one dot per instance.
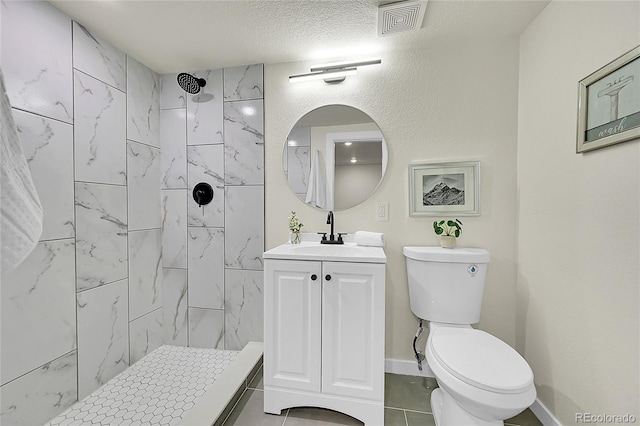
(172, 36)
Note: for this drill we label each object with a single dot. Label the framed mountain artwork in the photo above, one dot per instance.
(444, 189)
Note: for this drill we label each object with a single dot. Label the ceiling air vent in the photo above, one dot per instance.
(400, 17)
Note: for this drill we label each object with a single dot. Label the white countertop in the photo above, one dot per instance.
(307, 250)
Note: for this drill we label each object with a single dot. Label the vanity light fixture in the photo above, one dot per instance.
(354, 160)
(334, 72)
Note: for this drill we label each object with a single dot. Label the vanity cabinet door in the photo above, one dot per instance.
(292, 334)
(353, 329)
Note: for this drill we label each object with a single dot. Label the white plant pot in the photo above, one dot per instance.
(447, 241)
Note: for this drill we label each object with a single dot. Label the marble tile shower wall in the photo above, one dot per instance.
(88, 301)
(212, 255)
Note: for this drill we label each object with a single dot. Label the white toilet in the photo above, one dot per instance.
(482, 380)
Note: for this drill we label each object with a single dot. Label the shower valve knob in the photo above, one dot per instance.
(202, 194)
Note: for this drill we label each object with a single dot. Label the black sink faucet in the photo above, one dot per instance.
(332, 238)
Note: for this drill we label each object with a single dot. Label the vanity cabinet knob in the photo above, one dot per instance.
(314, 277)
(327, 277)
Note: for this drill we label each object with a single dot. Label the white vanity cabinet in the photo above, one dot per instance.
(324, 336)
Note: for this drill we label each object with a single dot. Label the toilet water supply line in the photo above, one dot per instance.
(419, 355)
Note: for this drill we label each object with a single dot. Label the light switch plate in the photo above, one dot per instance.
(382, 211)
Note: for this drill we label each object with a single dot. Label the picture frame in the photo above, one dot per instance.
(609, 104)
(444, 189)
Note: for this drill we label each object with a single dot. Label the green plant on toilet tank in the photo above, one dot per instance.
(448, 230)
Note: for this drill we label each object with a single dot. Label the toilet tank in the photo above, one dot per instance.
(446, 285)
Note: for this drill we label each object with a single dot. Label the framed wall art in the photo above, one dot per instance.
(444, 189)
(609, 104)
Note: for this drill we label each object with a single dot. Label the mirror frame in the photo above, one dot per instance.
(331, 139)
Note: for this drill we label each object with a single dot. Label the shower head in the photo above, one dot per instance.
(190, 84)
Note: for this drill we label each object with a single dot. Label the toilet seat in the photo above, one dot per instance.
(480, 360)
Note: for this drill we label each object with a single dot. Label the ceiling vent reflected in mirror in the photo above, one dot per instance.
(400, 17)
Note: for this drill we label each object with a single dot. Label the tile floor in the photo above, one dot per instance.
(406, 404)
(156, 390)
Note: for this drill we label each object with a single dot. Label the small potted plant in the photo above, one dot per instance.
(448, 230)
(294, 226)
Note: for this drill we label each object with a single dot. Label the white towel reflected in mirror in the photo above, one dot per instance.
(316, 196)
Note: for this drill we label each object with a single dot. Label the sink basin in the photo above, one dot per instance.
(348, 252)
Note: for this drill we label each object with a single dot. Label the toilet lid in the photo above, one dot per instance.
(481, 360)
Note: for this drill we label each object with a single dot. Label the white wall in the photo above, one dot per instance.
(455, 102)
(354, 182)
(578, 219)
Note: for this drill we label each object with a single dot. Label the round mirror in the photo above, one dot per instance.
(334, 157)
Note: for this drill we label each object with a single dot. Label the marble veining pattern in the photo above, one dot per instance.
(145, 272)
(172, 95)
(173, 140)
(41, 394)
(101, 234)
(98, 58)
(243, 308)
(37, 64)
(48, 148)
(206, 267)
(174, 228)
(143, 104)
(244, 227)
(99, 131)
(38, 316)
(144, 167)
(206, 164)
(174, 306)
(299, 163)
(103, 342)
(145, 335)
(244, 142)
(158, 390)
(204, 110)
(243, 83)
(206, 328)
(299, 136)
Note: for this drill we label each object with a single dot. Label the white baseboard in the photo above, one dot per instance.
(543, 414)
(407, 368)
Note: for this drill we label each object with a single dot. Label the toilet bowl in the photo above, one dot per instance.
(482, 380)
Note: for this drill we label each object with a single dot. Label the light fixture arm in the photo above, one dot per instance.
(334, 72)
(329, 76)
(346, 64)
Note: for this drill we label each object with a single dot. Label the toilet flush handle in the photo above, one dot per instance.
(473, 270)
